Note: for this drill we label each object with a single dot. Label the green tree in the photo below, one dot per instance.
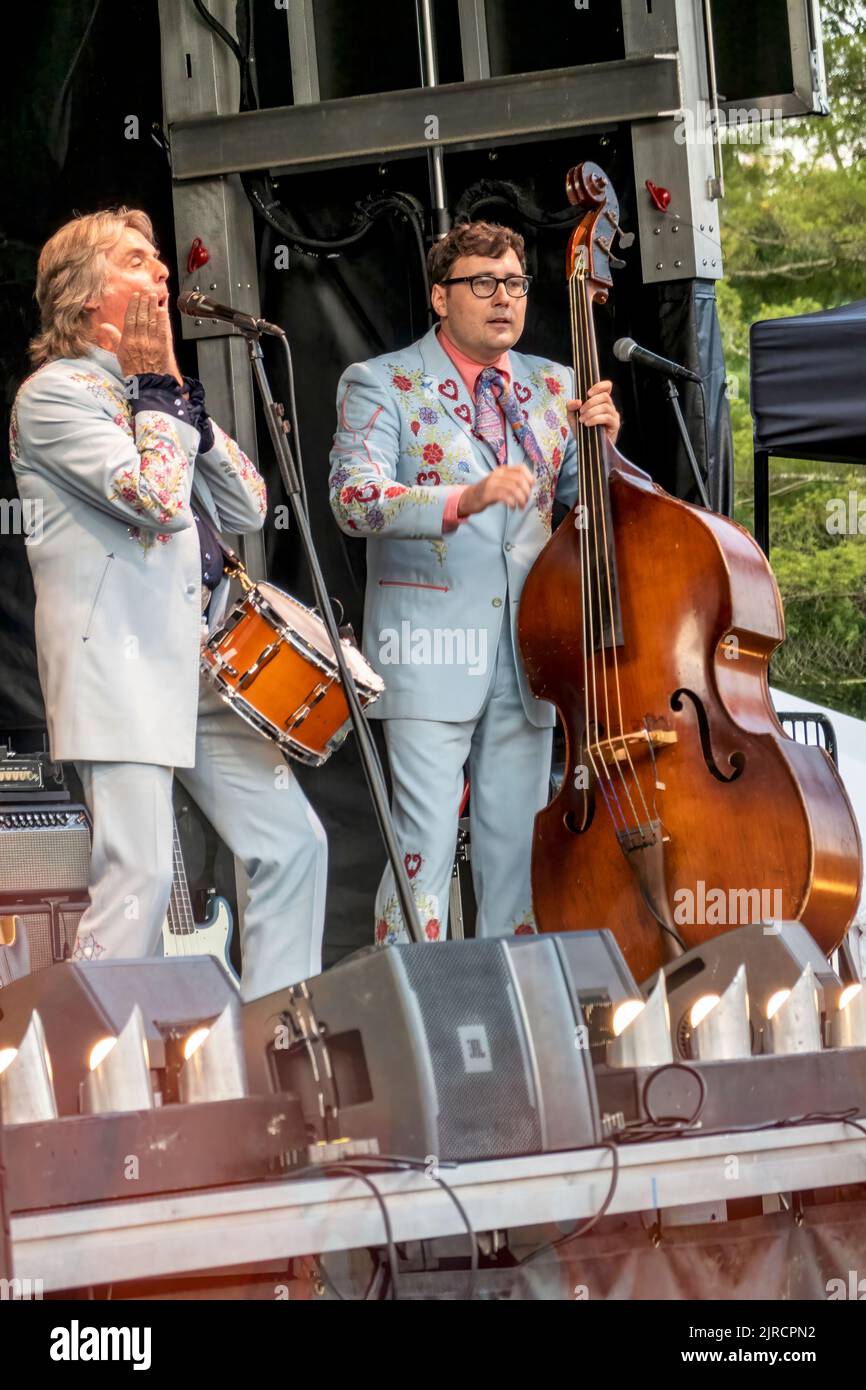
(794, 241)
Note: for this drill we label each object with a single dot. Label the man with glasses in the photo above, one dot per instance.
(447, 458)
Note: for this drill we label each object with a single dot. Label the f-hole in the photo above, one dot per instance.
(736, 760)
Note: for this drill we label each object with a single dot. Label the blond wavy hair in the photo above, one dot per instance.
(72, 270)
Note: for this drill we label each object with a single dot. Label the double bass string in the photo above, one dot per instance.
(597, 484)
(598, 509)
(585, 601)
(581, 372)
(598, 474)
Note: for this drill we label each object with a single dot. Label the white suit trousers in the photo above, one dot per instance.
(244, 786)
(509, 774)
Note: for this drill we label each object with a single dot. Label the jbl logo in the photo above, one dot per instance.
(474, 1046)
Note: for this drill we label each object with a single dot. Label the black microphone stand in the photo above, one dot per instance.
(366, 747)
(673, 396)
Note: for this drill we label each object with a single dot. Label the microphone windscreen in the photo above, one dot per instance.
(623, 349)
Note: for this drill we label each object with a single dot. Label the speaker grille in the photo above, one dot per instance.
(55, 856)
(38, 928)
(477, 1049)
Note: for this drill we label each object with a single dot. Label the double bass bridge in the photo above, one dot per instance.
(619, 748)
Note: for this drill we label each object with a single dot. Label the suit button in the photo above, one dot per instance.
(508, 545)
(192, 588)
(497, 603)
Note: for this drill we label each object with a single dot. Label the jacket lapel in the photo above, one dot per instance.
(451, 393)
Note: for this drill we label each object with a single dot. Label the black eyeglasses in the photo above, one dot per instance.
(484, 286)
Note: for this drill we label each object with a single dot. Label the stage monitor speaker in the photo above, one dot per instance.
(80, 1002)
(597, 977)
(457, 1050)
(44, 872)
(775, 955)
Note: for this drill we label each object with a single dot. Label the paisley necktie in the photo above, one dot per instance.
(491, 392)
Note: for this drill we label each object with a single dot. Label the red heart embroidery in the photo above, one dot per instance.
(522, 392)
(462, 413)
(413, 864)
(415, 426)
(448, 389)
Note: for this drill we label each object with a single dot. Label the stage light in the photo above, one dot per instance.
(720, 1023)
(776, 1000)
(120, 1078)
(625, 1013)
(848, 1024)
(795, 1023)
(702, 1007)
(26, 1089)
(194, 1042)
(215, 1068)
(646, 1040)
(99, 1051)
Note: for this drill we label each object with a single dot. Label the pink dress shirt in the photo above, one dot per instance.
(470, 371)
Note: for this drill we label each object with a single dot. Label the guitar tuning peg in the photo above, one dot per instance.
(616, 262)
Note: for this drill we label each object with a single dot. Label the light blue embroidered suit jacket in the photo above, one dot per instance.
(115, 558)
(435, 603)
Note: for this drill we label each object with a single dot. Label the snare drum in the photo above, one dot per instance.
(273, 662)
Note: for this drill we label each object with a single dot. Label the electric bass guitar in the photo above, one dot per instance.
(181, 934)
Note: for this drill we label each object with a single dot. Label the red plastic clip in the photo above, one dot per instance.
(198, 256)
(661, 196)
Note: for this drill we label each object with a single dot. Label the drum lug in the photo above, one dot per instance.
(316, 694)
(266, 655)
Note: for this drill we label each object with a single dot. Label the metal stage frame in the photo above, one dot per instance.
(230, 1228)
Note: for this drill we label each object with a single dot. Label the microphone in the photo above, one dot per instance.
(627, 350)
(201, 306)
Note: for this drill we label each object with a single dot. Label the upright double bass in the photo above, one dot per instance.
(685, 808)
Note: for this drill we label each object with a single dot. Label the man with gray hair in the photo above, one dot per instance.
(134, 482)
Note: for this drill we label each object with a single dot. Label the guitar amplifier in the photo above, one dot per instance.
(44, 872)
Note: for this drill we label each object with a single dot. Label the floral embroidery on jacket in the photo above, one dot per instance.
(363, 503)
(110, 394)
(238, 465)
(549, 421)
(157, 486)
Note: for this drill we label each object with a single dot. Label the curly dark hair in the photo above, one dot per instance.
(472, 239)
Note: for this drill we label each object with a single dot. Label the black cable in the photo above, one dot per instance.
(293, 422)
(581, 1229)
(491, 191)
(715, 499)
(665, 1120)
(345, 1298)
(642, 1132)
(473, 1241)
(345, 1169)
(400, 1163)
(232, 43)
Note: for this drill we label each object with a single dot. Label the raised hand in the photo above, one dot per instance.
(146, 342)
